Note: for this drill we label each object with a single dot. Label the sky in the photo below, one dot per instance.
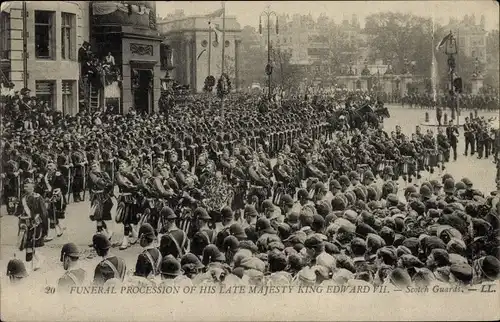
(247, 12)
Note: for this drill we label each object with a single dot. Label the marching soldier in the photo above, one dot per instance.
(55, 185)
(452, 135)
(469, 137)
(33, 223)
(79, 162)
(443, 145)
(12, 186)
(101, 190)
(126, 210)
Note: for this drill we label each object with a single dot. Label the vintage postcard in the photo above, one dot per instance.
(249, 160)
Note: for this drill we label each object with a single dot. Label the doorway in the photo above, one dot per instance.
(143, 90)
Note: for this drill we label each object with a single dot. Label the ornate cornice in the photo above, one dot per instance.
(141, 49)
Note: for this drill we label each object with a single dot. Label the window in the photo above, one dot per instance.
(4, 35)
(44, 38)
(45, 92)
(67, 43)
(67, 97)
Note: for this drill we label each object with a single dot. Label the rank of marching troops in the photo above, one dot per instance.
(164, 187)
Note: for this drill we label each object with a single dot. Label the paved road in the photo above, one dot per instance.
(79, 229)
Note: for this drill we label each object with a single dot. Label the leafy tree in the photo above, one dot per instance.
(397, 37)
(253, 57)
(491, 77)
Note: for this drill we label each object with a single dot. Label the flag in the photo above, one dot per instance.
(445, 39)
(204, 50)
(216, 14)
(217, 32)
(5, 7)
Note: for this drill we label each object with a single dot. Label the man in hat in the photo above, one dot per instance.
(148, 262)
(173, 241)
(204, 236)
(469, 137)
(111, 266)
(74, 275)
(33, 224)
(452, 134)
(251, 214)
(170, 269)
(16, 271)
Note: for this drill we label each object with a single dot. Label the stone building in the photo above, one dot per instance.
(54, 32)
(128, 31)
(46, 59)
(186, 41)
(471, 35)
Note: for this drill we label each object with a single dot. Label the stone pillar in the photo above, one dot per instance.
(477, 83)
(364, 83)
(194, 70)
(236, 64)
(187, 46)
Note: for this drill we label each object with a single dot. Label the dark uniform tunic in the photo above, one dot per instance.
(71, 278)
(111, 267)
(148, 262)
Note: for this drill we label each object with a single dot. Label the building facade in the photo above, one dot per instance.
(128, 31)
(46, 59)
(471, 36)
(193, 58)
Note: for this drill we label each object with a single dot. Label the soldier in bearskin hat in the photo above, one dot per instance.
(79, 161)
(12, 186)
(33, 223)
(127, 199)
(55, 186)
(101, 190)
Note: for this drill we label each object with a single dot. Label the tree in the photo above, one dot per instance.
(396, 36)
(491, 77)
(253, 57)
(229, 66)
(285, 74)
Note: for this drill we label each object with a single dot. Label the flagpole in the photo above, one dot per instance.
(209, 44)
(223, 51)
(223, 34)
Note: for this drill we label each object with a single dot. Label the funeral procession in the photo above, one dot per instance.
(224, 144)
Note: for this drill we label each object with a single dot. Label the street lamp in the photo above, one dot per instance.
(455, 83)
(269, 68)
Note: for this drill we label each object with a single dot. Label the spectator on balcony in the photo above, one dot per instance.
(110, 60)
(84, 57)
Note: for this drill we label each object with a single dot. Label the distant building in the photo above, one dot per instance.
(186, 41)
(471, 36)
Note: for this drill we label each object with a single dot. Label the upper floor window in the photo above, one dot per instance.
(67, 39)
(44, 34)
(4, 35)
(45, 91)
(67, 97)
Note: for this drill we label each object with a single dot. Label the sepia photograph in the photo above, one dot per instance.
(249, 160)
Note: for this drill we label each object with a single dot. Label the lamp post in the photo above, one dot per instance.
(269, 69)
(451, 50)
